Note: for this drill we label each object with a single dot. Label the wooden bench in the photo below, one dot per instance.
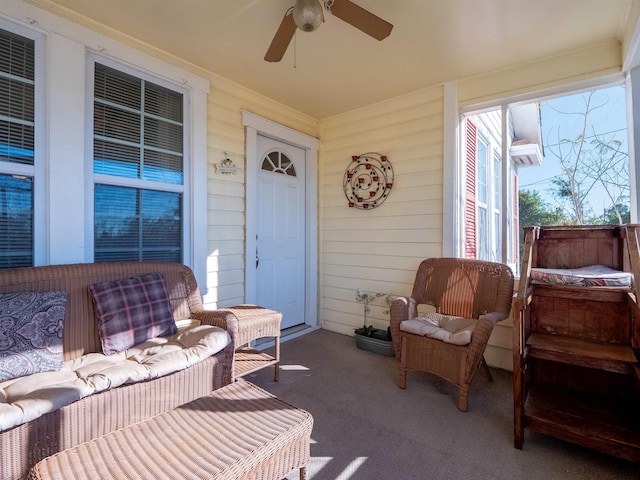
(237, 432)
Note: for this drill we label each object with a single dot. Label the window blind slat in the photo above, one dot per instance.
(162, 135)
(16, 99)
(16, 143)
(138, 133)
(17, 55)
(163, 167)
(16, 221)
(17, 73)
(115, 123)
(116, 159)
(117, 87)
(163, 102)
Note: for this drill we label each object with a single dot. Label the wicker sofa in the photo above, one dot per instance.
(112, 408)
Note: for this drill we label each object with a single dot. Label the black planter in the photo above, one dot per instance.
(375, 344)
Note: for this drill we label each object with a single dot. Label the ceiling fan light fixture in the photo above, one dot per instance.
(308, 15)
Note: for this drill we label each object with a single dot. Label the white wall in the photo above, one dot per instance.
(379, 250)
(226, 193)
(218, 220)
(66, 138)
(376, 250)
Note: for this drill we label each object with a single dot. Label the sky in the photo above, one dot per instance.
(609, 119)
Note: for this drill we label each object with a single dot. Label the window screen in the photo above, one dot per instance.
(16, 221)
(138, 137)
(137, 224)
(17, 127)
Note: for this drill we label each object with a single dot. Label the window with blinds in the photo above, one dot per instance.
(138, 165)
(17, 139)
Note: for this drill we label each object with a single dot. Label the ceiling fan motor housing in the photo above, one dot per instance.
(308, 15)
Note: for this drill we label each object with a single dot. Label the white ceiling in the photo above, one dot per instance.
(338, 68)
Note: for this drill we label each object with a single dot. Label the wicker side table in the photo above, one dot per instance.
(256, 322)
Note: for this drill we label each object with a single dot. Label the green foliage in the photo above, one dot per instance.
(535, 211)
(615, 214)
(366, 330)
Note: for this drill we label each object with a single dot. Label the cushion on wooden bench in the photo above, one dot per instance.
(591, 275)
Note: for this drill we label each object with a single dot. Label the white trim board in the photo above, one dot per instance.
(254, 125)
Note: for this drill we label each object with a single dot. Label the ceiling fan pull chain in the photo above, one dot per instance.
(295, 49)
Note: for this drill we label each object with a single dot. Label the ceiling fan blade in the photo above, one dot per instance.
(361, 19)
(281, 39)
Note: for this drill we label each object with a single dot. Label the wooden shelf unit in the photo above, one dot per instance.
(577, 349)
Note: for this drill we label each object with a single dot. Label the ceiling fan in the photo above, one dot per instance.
(307, 15)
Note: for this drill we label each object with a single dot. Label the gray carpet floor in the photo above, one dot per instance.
(365, 427)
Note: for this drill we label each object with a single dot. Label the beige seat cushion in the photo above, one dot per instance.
(26, 398)
(448, 328)
(162, 356)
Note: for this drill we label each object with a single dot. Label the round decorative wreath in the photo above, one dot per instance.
(368, 180)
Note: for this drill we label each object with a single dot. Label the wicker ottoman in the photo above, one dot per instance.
(238, 432)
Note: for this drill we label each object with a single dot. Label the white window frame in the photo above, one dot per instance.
(37, 171)
(483, 186)
(64, 225)
(491, 241)
(453, 175)
(496, 211)
(138, 184)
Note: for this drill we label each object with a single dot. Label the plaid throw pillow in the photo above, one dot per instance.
(132, 311)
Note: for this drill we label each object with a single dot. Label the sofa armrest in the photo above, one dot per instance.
(219, 318)
(228, 321)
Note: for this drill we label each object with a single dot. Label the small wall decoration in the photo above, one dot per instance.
(226, 166)
(368, 180)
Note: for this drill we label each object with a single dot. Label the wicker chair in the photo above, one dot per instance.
(472, 289)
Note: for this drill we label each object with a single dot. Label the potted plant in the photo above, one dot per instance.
(368, 337)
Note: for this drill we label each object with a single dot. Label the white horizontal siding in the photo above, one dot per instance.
(375, 250)
(378, 250)
(224, 200)
(226, 204)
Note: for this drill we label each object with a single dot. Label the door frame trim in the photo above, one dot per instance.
(255, 125)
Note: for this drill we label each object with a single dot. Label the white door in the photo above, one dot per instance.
(280, 232)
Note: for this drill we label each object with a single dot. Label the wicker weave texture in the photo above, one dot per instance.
(237, 432)
(81, 421)
(461, 287)
(250, 360)
(81, 325)
(255, 322)
(23, 446)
